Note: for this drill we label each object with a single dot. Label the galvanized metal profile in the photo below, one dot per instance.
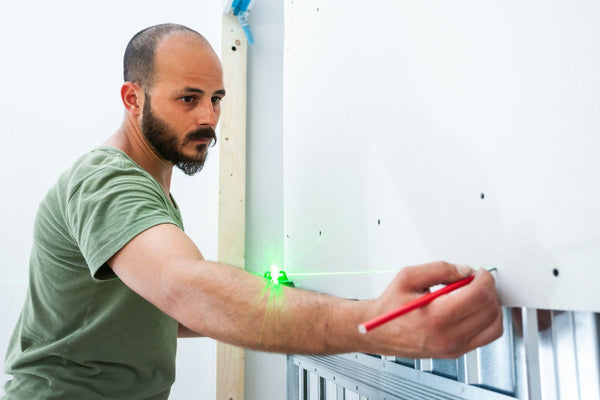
(378, 379)
(550, 355)
(532, 361)
(587, 351)
(492, 366)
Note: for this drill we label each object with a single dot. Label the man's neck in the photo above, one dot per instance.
(130, 139)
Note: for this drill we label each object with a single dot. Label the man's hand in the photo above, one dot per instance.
(450, 326)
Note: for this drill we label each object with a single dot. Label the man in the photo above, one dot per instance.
(114, 279)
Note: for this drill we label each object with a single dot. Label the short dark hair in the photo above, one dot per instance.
(138, 62)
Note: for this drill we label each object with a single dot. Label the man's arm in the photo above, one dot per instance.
(165, 267)
(185, 332)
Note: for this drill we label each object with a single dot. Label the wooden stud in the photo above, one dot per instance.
(232, 189)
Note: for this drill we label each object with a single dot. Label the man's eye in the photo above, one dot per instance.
(188, 99)
(216, 100)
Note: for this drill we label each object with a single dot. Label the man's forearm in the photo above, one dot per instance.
(243, 309)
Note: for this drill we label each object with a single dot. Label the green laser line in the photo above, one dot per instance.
(270, 253)
(386, 271)
(325, 235)
(343, 273)
(308, 260)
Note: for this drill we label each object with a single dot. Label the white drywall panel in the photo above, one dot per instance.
(462, 131)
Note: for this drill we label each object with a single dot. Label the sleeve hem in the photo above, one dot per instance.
(100, 258)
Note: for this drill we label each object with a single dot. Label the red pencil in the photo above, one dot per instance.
(411, 305)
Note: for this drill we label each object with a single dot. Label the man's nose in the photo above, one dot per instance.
(206, 114)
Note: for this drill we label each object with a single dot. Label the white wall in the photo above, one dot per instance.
(464, 131)
(265, 376)
(60, 74)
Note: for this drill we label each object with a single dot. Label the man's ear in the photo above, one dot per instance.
(133, 98)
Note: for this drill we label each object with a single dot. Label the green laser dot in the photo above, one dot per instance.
(277, 277)
(275, 274)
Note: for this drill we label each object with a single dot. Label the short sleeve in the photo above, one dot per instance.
(109, 208)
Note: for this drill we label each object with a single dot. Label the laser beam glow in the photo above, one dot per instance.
(343, 273)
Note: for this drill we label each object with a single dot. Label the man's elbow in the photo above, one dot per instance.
(185, 332)
(183, 306)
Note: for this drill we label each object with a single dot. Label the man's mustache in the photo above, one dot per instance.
(202, 133)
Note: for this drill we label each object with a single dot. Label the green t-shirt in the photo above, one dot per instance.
(82, 333)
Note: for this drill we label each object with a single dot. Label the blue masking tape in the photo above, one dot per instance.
(241, 7)
(234, 5)
(245, 3)
(246, 27)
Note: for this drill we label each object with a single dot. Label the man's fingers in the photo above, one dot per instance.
(490, 333)
(470, 299)
(480, 327)
(473, 315)
(422, 277)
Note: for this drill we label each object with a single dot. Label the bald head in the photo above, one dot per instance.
(139, 63)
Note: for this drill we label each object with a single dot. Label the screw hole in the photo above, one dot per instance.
(378, 222)
(555, 272)
(320, 233)
(233, 48)
(482, 196)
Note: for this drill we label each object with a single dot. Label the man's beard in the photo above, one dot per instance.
(164, 141)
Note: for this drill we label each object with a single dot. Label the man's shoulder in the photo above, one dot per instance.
(101, 158)
(100, 166)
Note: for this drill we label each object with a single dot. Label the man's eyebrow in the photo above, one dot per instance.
(200, 91)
